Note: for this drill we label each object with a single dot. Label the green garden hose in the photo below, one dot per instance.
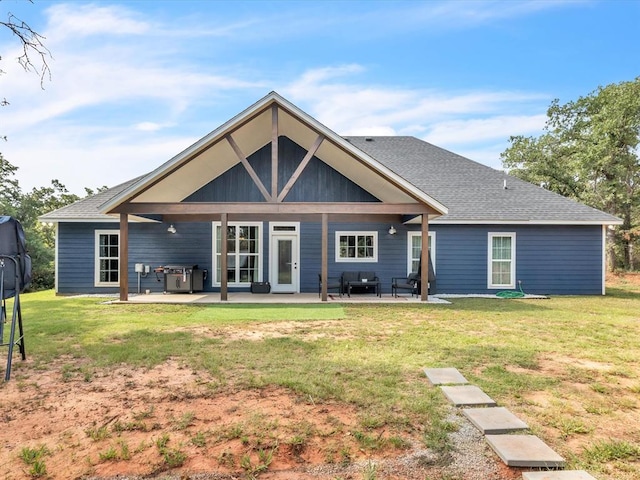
(512, 293)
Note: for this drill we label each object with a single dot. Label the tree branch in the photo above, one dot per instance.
(32, 45)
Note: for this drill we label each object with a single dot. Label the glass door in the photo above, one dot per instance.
(284, 271)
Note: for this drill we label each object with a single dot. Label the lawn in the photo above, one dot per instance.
(252, 390)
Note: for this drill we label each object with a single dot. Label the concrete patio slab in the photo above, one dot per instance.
(494, 420)
(444, 376)
(467, 396)
(524, 451)
(269, 298)
(558, 475)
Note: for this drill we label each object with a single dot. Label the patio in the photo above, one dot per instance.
(292, 298)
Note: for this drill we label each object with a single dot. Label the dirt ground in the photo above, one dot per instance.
(171, 422)
(168, 422)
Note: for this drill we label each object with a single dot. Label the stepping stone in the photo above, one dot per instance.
(494, 420)
(563, 475)
(524, 451)
(443, 376)
(467, 396)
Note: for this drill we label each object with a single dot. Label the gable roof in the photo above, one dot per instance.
(249, 131)
(473, 192)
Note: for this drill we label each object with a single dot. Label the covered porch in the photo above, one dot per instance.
(248, 170)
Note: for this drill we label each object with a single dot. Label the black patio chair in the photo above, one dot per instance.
(333, 283)
(410, 282)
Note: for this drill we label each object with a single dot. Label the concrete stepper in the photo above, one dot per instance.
(524, 451)
(563, 475)
(444, 376)
(494, 420)
(467, 396)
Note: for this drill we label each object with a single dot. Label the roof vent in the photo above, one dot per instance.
(368, 139)
(504, 185)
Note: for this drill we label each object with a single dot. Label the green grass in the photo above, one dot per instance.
(536, 357)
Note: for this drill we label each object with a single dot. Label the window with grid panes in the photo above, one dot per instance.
(107, 258)
(501, 260)
(243, 253)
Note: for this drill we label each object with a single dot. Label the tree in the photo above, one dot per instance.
(26, 208)
(589, 152)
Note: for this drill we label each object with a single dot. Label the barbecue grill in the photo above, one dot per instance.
(182, 278)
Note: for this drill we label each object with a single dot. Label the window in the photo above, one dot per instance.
(415, 249)
(502, 260)
(356, 246)
(107, 258)
(244, 253)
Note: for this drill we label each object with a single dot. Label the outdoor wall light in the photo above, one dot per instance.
(392, 230)
(171, 229)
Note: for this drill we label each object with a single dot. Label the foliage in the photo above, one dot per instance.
(26, 208)
(589, 152)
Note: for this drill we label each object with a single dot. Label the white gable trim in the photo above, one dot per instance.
(246, 116)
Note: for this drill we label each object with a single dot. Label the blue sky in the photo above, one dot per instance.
(135, 82)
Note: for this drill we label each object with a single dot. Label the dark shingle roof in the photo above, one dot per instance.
(88, 208)
(473, 193)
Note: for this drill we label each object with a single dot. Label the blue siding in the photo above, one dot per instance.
(150, 244)
(554, 260)
(549, 259)
(392, 254)
(318, 182)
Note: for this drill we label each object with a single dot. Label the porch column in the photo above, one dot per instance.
(223, 258)
(424, 259)
(324, 268)
(123, 273)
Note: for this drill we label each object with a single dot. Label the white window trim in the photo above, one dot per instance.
(432, 253)
(96, 255)
(372, 233)
(214, 235)
(274, 225)
(491, 236)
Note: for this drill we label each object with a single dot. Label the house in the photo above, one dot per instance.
(297, 200)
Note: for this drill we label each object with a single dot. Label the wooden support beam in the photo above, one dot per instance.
(305, 161)
(287, 217)
(224, 295)
(324, 267)
(123, 273)
(266, 208)
(249, 168)
(424, 260)
(274, 150)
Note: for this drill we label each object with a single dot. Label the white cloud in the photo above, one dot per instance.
(358, 108)
(82, 20)
(151, 126)
(483, 129)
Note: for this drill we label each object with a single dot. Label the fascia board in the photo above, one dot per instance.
(101, 219)
(522, 222)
